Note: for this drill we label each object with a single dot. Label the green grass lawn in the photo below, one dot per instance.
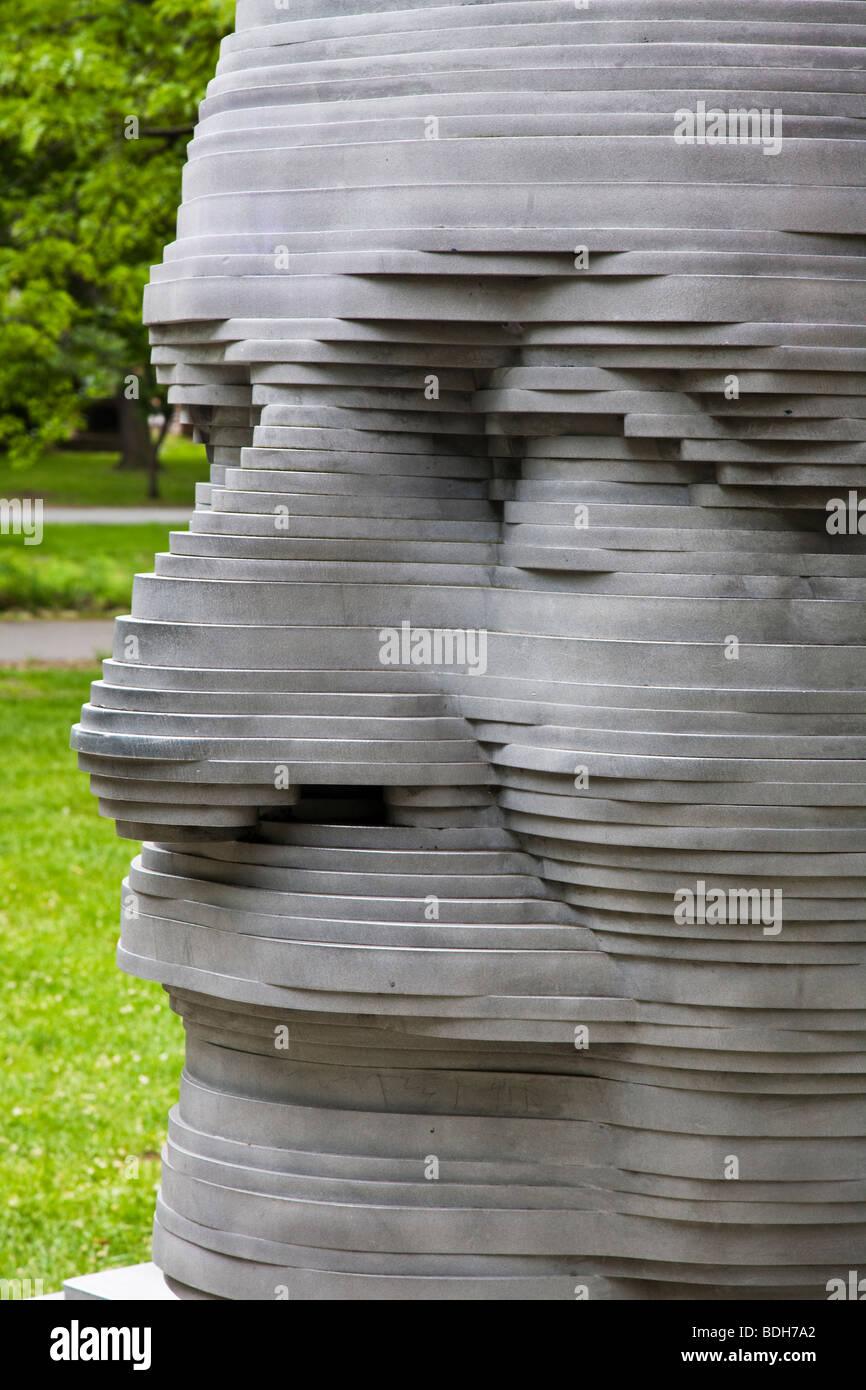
(91, 1057)
(77, 571)
(67, 479)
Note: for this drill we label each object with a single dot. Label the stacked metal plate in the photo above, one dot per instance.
(496, 730)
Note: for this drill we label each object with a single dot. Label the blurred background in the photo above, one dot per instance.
(97, 103)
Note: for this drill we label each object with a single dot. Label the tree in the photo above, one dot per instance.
(98, 100)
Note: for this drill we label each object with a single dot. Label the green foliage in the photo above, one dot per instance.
(84, 211)
(91, 1057)
(82, 479)
(79, 569)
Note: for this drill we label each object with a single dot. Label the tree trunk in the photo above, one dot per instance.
(156, 445)
(136, 450)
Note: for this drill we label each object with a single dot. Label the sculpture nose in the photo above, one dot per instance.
(340, 563)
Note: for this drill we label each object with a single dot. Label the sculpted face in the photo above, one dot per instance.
(496, 729)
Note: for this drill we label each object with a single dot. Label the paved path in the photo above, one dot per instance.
(55, 642)
(67, 640)
(116, 516)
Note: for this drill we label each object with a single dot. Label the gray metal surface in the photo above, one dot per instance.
(447, 1034)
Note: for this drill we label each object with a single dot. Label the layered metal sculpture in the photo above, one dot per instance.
(496, 730)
